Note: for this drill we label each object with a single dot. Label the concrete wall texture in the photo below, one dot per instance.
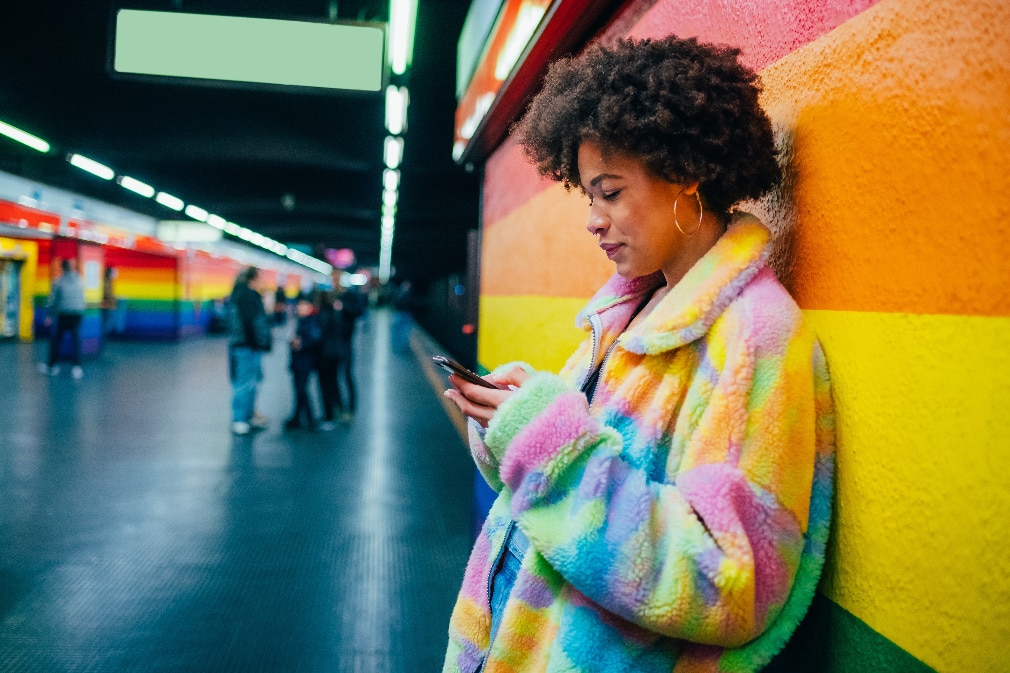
(892, 232)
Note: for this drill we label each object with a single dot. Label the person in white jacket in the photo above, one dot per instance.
(66, 304)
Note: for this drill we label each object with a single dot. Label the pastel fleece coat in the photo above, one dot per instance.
(679, 521)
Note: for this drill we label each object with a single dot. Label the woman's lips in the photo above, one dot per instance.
(610, 248)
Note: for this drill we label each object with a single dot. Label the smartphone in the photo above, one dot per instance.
(459, 370)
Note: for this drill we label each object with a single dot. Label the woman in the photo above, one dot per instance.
(664, 500)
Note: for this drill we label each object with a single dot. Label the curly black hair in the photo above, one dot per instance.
(688, 110)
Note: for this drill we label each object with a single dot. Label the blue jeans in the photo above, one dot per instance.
(505, 575)
(66, 322)
(245, 376)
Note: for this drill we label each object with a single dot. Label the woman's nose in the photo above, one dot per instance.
(597, 222)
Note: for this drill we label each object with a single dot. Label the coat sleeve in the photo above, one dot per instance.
(487, 464)
(708, 558)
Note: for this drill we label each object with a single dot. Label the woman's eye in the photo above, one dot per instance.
(612, 196)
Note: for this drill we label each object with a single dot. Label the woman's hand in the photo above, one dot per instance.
(480, 403)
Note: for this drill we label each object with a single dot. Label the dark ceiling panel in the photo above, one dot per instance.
(238, 151)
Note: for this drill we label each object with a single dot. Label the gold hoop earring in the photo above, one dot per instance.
(701, 212)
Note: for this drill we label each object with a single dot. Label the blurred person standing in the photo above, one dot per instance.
(280, 305)
(353, 306)
(66, 303)
(250, 337)
(305, 349)
(403, 319)
(110, 303)
(333, 350)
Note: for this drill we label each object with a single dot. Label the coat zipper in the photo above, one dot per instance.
(602, 365)
(597, 326)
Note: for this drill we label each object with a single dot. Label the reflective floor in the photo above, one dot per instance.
(137, 534)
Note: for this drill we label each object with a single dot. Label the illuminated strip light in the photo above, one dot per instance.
(393, 152)
(389, 198)
(23, 137)
(388, 231)
(197, 213)
(522, 30)
(136, 186)
(91, 166)
(169, 201)
(390, 180)
(310, 262)
(397, 100)
(402, 14)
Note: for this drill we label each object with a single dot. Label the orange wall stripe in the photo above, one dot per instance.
(544, 248)
(897, 140)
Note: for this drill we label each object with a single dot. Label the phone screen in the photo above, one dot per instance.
(459, 370)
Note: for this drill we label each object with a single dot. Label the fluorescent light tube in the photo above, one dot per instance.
(401, 33)
(197, 213)
(397, 99)
(91, 166)
(217, 221)
(390, 179)
(393, 151)
(23, 137)
(169, 201)
(136, 186)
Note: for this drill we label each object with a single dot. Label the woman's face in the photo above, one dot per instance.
(631, 210)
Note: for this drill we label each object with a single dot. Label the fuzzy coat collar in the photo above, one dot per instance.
(688, 311)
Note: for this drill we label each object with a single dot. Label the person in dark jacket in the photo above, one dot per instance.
(66, 305)
(305, 349)
(352, 305)
(250, 337)
(334, 349)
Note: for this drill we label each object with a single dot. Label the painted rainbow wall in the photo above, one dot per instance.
(892, 231)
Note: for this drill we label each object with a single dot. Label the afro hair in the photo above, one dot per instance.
(688, 110)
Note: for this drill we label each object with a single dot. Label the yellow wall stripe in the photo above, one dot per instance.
(920, 542)
(538, 330)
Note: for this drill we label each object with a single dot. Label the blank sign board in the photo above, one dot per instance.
(242, 49)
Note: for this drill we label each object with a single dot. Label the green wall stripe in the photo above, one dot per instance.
(833, 640)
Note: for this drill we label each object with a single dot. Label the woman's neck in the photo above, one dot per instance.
(695, 246)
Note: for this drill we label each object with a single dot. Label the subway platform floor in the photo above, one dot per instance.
(138, 534)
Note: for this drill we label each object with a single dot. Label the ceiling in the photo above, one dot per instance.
(237, 151)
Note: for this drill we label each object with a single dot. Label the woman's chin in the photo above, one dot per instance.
(630, 272)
